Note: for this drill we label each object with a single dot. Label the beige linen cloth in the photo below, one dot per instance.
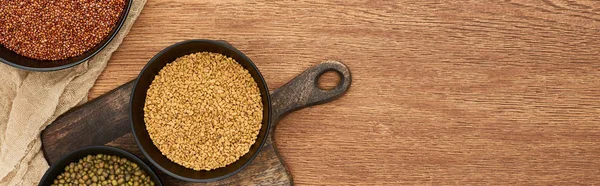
(31, 100)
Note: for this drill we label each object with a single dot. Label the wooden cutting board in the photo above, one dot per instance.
(105, 121)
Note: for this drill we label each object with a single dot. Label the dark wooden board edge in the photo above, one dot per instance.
(57, 129)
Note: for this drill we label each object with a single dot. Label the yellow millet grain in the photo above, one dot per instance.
(203, 111)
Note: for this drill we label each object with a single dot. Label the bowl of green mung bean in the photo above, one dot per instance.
(100, 165)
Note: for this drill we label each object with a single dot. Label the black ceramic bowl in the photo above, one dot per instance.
(75, 156)
(13, 59)
(138, 98)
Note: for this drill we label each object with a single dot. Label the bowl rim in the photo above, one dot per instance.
(119, 25)
(229, 47)
(123, 153)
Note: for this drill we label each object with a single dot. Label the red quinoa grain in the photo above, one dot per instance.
(56, 29)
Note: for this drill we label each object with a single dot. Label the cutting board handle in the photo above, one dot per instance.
(303, 91)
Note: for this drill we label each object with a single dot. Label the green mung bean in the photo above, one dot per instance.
(91, 170)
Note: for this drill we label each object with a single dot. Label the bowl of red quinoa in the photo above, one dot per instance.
(54, 35)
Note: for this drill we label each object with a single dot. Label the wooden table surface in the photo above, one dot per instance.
(444, 92)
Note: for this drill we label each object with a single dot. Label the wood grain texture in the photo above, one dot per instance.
(444, 92)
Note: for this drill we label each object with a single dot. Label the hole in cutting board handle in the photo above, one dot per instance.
(329, 80)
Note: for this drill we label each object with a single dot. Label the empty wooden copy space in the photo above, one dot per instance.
(444, 92)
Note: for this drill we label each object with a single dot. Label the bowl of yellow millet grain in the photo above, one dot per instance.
(54, 35)
(200, 110)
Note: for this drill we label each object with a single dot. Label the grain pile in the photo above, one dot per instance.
(203, 111)
(55, 30)
(102, 169)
